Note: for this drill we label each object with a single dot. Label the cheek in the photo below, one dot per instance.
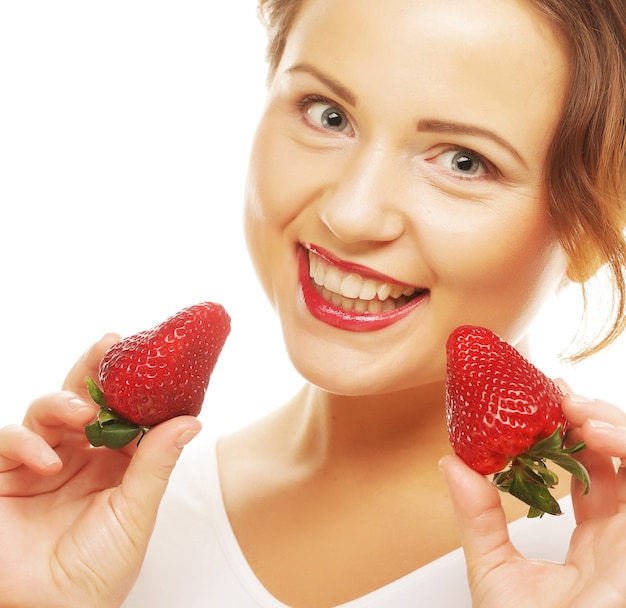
(279, 185)
(277, 177)
(266, 208)
(501, 267)
(260, 221)
(500, 258)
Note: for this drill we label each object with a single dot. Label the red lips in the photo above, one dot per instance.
(348, 320)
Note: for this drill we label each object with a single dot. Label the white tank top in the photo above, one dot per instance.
(194, 560)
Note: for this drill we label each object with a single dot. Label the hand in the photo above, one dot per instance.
(74, 520)
(593, 573)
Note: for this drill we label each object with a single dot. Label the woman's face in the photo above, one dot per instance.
(399, 161)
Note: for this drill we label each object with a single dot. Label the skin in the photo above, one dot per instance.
(349, 469)
(56, 492)
(383, 194)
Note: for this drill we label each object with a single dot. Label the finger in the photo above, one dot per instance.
(137, 500)
(605, 438)
(577, 409)
(610, 440)
(602, 498)
(480, 517)
(51, 416)
(88, 365)
(621, 488)
(21, 446)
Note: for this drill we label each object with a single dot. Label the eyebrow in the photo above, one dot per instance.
(424, 125)
(336, 87)
(439, 126)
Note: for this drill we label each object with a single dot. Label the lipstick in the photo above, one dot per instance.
(337, 316)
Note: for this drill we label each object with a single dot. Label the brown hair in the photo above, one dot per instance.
(585, 173)
(277, 16)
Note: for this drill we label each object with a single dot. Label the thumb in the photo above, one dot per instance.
(149, 471)
(480, 517)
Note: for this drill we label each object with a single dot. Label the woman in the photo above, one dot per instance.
(416, 168)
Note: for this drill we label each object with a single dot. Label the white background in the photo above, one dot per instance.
(124, 133)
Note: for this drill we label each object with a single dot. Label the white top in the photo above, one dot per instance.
(194, 560)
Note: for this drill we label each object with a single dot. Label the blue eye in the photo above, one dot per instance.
(464, 163)
(328, 116)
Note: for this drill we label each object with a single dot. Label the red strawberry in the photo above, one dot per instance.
(157, 374)
(501, 410)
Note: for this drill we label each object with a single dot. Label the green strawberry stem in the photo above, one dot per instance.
(529, 479)
(109, 429)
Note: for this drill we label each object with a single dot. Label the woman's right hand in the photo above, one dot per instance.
(75, 521)
(592, 573)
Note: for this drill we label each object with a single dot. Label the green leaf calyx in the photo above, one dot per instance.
(109, 429)
(529, 479)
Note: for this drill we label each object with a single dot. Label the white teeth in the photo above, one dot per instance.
(360, 305)
(369, 290)
(375, 306)
(384, 291)
(351, 291)
(332, 281)
(351, 286)
(319, 274)
(389, 305)
(396, 291)
(347, 303)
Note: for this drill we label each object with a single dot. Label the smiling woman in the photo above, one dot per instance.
(390, 186)
(409, 174)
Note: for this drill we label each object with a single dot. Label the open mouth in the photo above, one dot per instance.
(352, 291)
(351, 297)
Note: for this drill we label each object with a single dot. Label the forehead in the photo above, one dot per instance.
(482, 21)
(489, 53)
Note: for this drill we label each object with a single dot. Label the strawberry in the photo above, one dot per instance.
(502, 411)
(157, 374)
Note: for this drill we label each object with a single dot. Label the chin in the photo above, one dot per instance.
(351, 378)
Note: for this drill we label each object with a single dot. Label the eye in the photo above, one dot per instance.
(324, 114)
(464, 163)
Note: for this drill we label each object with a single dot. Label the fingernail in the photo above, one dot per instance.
(49, 458)
(185, 437)
(442, 467)
(600, 424)
(563, 385)
(579, 399)
(77, 404)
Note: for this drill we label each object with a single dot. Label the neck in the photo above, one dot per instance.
(335, 427)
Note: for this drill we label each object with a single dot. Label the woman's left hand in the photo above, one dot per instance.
(594, 571)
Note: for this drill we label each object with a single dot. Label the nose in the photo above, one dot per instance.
(362, 201)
